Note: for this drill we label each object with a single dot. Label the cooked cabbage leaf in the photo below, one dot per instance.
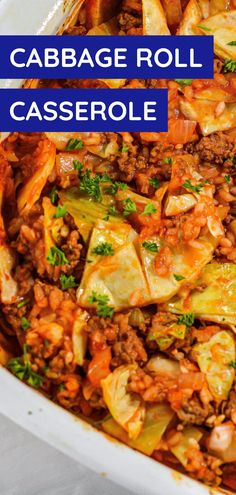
(126, 408)
(203, 111)
(85, 211)
(222, 27)
(187, 261)
(179, 450)
(79, 336)
(157, 419)
(213, 358)
(216, 301)
(118, 276)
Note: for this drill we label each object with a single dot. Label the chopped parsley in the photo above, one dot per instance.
(188, 185)
(186, 319)
(227, 178)
(113, 189)
(203, 27)
(74, 144)
(229, 65)
(91, 184)
(129, 206)
(25, 324)
(232, 364)
(178, 277)
(154, 182)
(232, 43)
(124, 148)
(56, 257)
(22, 303)
(151, 246)
(67, 282)
(21, 368)
(61, 211)
(46, 343)
(103, 249)
(149, 209)
(103, 310)
(78, 166)
(168, 160)
(112, 211)
(184, 82)
(53, 195)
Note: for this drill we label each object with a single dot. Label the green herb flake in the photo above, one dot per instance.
(149, 209)
(61, 387)
(21, 368)
(74, 144)
(67, 282)
(154, 182)
(232, 43)
(168, 160)
(54, 195)
(229, 65)
(91, 184)
(103, 249)
(232, 364)
(188, 185)
(184, 82)
(203, 27)
(178, 277)
(125, 148)
(25, 324)
(129, 206)
(151, 246)
(227, 178)
(186, 319)
(78, 166)
(101, 300)
(113, 189)
(22, 303)
(46, 343)
(61, 211)
(56, 257)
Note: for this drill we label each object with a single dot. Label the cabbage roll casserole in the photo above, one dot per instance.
(118, 255)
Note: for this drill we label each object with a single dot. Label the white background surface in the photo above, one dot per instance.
(31, 467)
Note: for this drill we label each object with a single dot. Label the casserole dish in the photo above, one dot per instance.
(117, 272)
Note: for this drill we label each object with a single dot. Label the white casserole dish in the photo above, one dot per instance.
(28, 408)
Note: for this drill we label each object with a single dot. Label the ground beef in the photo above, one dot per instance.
(130, 164)
(193, 411)
(216, 148)
(230, 410)
(229, 475)
(130, 19)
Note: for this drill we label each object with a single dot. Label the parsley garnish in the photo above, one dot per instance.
(124, 148)
(229, 65)
(184, 82)
(112, 211)
(53, 195)
(61, 211)
(154, 182)
(203, 27)
(178, 277)
(232, 364)
(67, 282)
(188, 185)
(232, 43)
(115, 186)
(168, 160)
(74, 144)
(149, 209)
(186, 319)
(91, 184)
(46, 343)
(22, 303)
(56, 257)
(103, 249)
(129, 207)
(78, 166)
(227, 178)
(25, 324)
(103, 310)
(21, 368)
(151, 246)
